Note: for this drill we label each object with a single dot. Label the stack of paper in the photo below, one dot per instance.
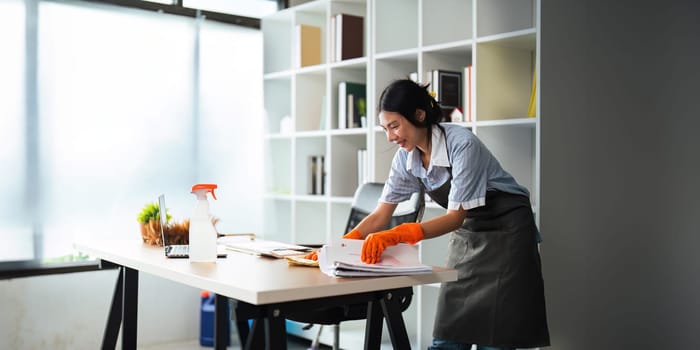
(256, 246)
(343, 259)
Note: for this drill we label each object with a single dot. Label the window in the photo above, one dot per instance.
(131, 106)
(14, 222)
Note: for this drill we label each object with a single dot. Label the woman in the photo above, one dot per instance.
(498, 299)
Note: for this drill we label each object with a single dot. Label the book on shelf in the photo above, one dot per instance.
(316, 183)
(324, 115)
(321, 176)
(532, 107)
(342, 259)
(467, 105)
(447, 86)
(348, 36)
(309, 45)
(362, 168)
(352, 105)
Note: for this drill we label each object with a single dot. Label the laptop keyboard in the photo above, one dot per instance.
(177, 250)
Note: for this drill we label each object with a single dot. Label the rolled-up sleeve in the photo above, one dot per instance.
(400, 184)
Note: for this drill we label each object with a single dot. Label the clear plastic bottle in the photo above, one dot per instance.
(202, 232)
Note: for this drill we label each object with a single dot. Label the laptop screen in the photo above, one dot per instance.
(163, 218)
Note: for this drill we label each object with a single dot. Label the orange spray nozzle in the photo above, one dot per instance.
(206, 187)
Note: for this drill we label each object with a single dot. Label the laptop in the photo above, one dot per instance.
(175, 250)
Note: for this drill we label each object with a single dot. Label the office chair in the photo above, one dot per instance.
(364, 201)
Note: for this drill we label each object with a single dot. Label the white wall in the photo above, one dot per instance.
(620, 192)
(69, 311)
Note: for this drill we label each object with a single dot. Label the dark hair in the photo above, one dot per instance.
(405, 96)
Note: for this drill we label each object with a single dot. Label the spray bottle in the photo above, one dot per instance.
(202, 232)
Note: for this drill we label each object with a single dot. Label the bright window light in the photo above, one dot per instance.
(118, 110)
(247, 8)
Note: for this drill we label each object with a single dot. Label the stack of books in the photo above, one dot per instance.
(316, 184)
(352, 105)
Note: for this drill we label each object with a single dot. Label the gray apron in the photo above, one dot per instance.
(498, 298)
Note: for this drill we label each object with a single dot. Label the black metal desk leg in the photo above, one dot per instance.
(130, 308)
(373, 328)
(114, 319)
(220, 319)
(256, 336)
(394, 321)
(241, 324)
(275, 331)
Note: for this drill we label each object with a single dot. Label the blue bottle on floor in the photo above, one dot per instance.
(206, 321)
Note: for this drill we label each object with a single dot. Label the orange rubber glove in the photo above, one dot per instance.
(354, 234)
(375, 243)
(312, 256)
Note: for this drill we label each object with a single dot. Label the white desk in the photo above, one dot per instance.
(266, 287)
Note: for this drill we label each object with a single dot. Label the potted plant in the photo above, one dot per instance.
(176, 232)
(149, 222)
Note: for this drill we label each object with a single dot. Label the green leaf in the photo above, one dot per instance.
(151, 211)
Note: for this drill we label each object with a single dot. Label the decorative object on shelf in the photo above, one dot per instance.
(286, 125)
(448, 90)
(348, 38)
(352, 104)
(309, 45)
(456, 116)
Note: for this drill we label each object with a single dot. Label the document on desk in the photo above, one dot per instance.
(343, 259)
(261, 247)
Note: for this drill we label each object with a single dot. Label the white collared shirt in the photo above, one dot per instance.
(474, 170)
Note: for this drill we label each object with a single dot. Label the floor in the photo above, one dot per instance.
(293, 343)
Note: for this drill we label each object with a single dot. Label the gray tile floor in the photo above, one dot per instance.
(293, 343)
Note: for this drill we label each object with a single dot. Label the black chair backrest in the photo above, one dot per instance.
(365, 200)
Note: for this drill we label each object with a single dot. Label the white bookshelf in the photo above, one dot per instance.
(499, 38)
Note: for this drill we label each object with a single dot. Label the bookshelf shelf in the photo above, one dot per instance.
(524, 38)
(351, 63)
(277, 196)
(399, 55)
(498, 38)
(310, 198)
(351, 131)
(340, 200)
(456, 47)
(310, 134)
(278, 75)
(278, 137)
(525, 122)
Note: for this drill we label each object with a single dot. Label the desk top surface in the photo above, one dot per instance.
(253, 279)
